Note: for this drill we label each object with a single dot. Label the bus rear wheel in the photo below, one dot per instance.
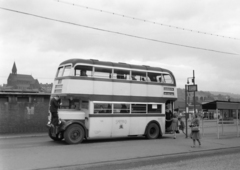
(152, 131)
(74, 134)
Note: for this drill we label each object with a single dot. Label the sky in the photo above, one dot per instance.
(155, 33)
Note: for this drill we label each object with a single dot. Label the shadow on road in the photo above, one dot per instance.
(105, 140)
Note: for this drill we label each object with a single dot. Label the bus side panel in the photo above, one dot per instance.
(100, 127)
(103, 87)
(154, 91)
(162, 122)
(138, 89)
(78, 86)
(138, 125)
(120, 126)
(122, 89)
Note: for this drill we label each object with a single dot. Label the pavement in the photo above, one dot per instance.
(22, 135)
(209, 139)
(111, 150)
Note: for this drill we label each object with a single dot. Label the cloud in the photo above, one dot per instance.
(37, 44)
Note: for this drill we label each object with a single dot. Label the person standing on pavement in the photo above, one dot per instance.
(174, 125)
(53, 109)
(195, 132)
(182, 125)
(169, 116)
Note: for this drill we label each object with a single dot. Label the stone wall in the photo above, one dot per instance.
(23, 113)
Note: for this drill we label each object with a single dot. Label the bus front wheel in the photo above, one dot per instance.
(57, 137)
(152, 131)
(74, 134)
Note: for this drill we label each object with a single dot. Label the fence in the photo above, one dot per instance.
(220, 127)
(23, 113)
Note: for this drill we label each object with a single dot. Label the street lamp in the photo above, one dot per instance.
(186, 106)
(190, 88)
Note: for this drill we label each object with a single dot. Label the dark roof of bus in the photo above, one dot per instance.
(106, 63)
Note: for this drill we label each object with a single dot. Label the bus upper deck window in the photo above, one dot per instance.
(154, 77)
(60, 72)
(121, 74)
(167, 79)
(101, 72)
(82, 70)
(66, 71)
(139, 76)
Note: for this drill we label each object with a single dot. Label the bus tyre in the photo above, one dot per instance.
(74, 134)
(58, 137)
(152, 131)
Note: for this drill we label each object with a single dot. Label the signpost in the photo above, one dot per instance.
(190, 88)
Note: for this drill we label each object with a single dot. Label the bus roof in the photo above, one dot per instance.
(112, 64)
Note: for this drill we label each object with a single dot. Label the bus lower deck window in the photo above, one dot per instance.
(102, 108)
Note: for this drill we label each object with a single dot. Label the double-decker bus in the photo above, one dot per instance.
(105, 99)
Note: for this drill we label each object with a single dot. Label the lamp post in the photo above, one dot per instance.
(186, 106)
(190, 88)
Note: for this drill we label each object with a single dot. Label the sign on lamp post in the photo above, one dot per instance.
(192, 88)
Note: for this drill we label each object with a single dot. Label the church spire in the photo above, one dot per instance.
(14, 69)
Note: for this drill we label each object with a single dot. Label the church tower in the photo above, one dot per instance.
(14, 69)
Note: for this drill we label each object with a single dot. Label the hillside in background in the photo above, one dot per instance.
(208, 96)
(226, 94)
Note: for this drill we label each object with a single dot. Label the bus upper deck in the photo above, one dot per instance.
(99, 80)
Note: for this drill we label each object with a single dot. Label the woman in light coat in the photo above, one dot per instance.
(174, 125)
(195, 135)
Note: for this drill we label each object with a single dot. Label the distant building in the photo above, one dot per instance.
(47, 88)
(21, 81)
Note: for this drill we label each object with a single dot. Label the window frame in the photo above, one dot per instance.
(88, 75)
(69, 73)
(58, 71)
(128, 109)
(121, 69)
(106, 108)
(110, 75)
(141, 71)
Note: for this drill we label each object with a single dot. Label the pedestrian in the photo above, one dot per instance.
(53, 109)
(182, 125)
(174, 125)
(195, 132)
(169, 116)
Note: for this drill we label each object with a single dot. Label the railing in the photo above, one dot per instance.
(221, 127)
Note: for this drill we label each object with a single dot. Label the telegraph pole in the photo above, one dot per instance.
(190, 88)
(194, 104)
(186, 106)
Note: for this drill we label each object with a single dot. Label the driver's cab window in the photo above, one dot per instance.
(70, 103)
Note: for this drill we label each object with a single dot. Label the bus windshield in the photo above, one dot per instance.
(67, 71)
